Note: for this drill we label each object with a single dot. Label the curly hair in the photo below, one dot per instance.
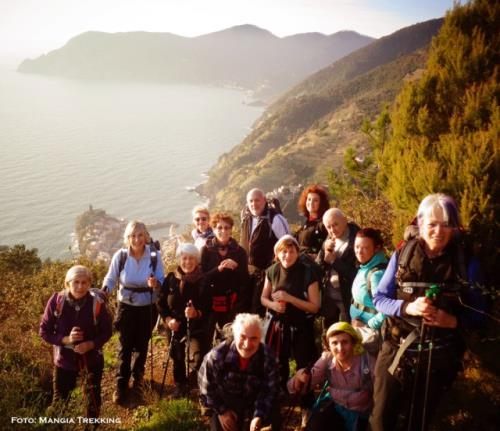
(324, 204)
(218, 217)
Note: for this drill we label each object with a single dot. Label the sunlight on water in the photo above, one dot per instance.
(130, 148)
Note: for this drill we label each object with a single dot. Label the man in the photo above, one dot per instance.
(349, 372)
(338, 261)
(239, 380)
(261, 227)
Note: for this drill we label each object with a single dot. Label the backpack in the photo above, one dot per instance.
(97, 303)
(154, 247)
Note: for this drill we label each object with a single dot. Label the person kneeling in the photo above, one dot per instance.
(348, 372)
(239, 380)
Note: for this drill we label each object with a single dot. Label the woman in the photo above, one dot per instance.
(368, 249)
(291, 294)
(418, 313)
(349, 373)
(78, 324)
(183, 305)
(202, 230)
(313, 203)
(225, 264)
(138, 270)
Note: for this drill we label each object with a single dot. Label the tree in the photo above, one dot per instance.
(19, 259)
(446, 128)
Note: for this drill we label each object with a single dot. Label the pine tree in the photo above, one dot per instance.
(446, 126)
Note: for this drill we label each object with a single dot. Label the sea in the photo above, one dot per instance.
(135, 150)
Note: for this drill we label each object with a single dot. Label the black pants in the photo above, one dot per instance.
(135, 324)
(179, 351)
(393, 395)
(255, 285)
(298, 343)
(64, 381)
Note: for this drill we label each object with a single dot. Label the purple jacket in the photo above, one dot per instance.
(53, 330)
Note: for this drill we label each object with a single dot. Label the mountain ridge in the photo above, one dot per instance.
(243, 56)
(336, 99)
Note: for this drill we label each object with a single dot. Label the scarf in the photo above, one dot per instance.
(197, 234)
(191, 277)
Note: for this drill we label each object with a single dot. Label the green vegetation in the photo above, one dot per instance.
(178, 415)
(300, 138)
(446, 127)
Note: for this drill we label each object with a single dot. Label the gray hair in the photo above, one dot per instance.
(246, 319)
(200, 209)
(75, 271)
(255, 191)
(133, 226)
(439, 200)
(189, 249)
(333, 212)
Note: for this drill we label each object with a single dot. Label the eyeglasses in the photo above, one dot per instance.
(223, 227)
(200, 219)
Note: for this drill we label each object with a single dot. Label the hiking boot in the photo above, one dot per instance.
(119, 397)
(138, 385)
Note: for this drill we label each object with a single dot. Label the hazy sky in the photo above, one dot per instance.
(28, 28)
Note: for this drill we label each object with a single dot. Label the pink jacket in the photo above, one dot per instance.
(352, 388)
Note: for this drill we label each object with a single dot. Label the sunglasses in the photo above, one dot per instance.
(200, 219)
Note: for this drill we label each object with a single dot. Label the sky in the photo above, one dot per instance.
(29, 28)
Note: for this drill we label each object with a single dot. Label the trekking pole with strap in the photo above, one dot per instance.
(188, 343)
(296, 398)
(84, 370)
(165, 364)
(432, 294)
(417, 375)
(154, 258)
(151, 328)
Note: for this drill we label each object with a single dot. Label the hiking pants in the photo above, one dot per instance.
(392, 396)
(135, 324)
(64, 381)
(179, 358)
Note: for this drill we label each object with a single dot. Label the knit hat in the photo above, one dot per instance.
(348, 329)
(285, 238)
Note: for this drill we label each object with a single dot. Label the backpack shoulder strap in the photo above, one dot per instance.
(366, 380)
(97, 304)
(370, 272)
(154, 257)
(123, 258)
(61, 297)
(405, 254)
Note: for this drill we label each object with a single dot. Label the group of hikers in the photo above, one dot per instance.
(388, 346)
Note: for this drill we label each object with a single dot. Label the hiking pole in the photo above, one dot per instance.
(188, 344)
(432, 294)
(169, 353)
(151, 328)
(417, 374)
(427, 377)
(87, 392)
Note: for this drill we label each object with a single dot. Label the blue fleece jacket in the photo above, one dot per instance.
(360, 291)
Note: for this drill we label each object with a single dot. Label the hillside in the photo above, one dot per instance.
(243, 56)
(302, 135)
